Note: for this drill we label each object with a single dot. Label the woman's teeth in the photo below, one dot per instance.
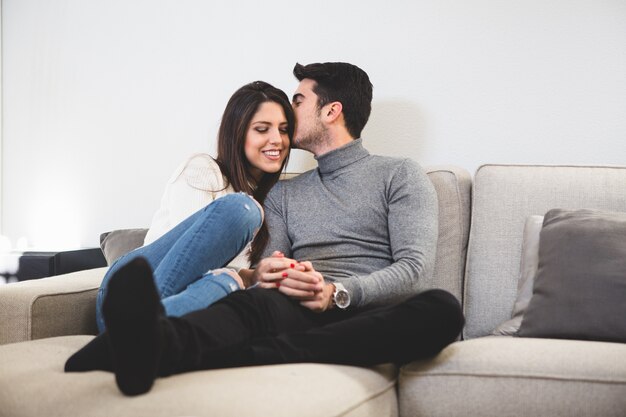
(273, 153)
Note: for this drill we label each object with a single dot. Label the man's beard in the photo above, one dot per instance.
(312, 140)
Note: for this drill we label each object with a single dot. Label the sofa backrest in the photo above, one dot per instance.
(453, 186)
(503, 196)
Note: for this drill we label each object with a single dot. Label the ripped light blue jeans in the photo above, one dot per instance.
(180, 259)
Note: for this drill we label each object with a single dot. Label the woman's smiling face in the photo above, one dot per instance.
(267, 141)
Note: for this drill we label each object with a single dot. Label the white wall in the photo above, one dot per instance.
(0, 118)
(103, 99)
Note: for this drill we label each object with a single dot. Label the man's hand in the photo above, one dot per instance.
(308, 287)
(322, 301)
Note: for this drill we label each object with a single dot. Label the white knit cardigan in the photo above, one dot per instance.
(196, 183)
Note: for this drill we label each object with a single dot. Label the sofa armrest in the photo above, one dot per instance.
(56, 306)
(454, 188)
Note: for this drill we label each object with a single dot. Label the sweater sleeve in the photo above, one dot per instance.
(193, 185)
(413, 229)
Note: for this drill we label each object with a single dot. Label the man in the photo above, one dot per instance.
(364, 229)
(366, 222)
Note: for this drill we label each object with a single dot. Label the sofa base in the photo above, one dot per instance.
(517, 377)
(32, 383)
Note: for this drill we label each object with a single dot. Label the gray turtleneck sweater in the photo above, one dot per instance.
(369, 222)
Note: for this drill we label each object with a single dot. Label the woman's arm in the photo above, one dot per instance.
(247, 275)
(193, 185)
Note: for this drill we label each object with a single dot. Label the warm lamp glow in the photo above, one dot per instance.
(9, 261)
(54, 221)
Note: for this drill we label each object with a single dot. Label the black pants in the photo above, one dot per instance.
(261, 327)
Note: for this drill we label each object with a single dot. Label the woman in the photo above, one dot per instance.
(208, 219)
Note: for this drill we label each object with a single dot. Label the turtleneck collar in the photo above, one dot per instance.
(341, 157)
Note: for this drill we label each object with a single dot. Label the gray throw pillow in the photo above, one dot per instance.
(119, 242)
(580, 288)
(528, 270)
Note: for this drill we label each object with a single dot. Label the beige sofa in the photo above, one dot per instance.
(42, 322)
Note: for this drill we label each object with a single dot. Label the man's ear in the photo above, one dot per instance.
(332, 111)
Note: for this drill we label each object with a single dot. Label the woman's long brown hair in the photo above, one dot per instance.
(231, 139)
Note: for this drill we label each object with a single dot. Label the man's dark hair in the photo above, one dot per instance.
(345, 83)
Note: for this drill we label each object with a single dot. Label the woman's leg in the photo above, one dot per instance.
(152, 253)
(223, 230)
(203, 292)
(258, 327)
(136, 318)
(199, 243)
(143, 343)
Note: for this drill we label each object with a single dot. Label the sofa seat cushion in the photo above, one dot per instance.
(508, 376)
(32, 383)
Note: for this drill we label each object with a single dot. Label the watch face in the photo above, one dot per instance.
(342, 299)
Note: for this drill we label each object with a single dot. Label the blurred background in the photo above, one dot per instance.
(101, 100)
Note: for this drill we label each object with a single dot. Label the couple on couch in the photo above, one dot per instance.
(336, 253)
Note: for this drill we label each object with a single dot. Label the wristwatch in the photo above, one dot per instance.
(341, 297)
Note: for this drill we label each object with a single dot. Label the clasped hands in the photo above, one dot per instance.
(298, 280)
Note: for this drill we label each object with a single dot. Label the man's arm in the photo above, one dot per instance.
(275, 218)
(413, 230)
